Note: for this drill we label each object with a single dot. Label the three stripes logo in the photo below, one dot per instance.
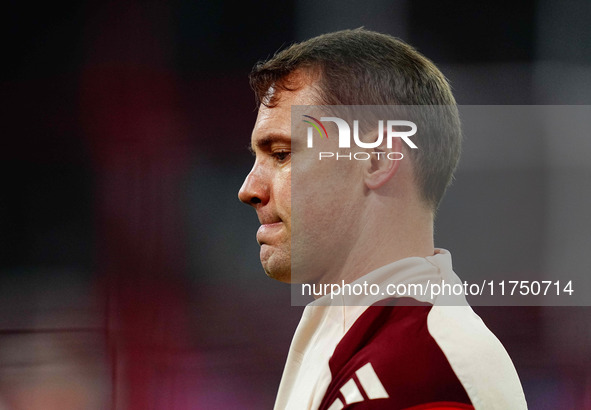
(369, 383)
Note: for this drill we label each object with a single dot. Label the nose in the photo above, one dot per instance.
(254, 190)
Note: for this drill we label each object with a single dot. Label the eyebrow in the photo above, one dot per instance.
(265, 142)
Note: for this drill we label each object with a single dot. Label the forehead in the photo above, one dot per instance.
(276, 120)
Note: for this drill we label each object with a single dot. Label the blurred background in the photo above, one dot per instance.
(129, 271)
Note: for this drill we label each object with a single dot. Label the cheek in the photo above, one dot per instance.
(323, 191)
(282, 197)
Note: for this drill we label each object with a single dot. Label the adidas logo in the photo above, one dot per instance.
(370, 384)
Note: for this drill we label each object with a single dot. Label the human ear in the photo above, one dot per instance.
(383, 163)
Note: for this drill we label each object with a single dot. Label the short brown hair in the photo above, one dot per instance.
(362, 67)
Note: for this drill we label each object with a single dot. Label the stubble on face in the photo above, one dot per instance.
(270, 179)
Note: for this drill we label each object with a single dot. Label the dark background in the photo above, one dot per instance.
(129, 272)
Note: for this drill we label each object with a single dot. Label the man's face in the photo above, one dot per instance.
(325, 207)
(327, 200)
(267, 188)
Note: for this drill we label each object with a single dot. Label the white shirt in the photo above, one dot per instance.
(476, 356)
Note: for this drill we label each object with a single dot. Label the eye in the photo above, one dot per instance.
(281, 156)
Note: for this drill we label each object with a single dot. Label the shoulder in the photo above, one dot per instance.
(388, 359)
(477, 357)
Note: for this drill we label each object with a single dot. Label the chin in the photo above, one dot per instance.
(276, 263)
(284, 277)
(277, 271)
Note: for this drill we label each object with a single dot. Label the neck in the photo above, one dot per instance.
(408, 232)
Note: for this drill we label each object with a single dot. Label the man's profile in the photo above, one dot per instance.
(375, 224)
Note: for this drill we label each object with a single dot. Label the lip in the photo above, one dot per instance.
(267, 231)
